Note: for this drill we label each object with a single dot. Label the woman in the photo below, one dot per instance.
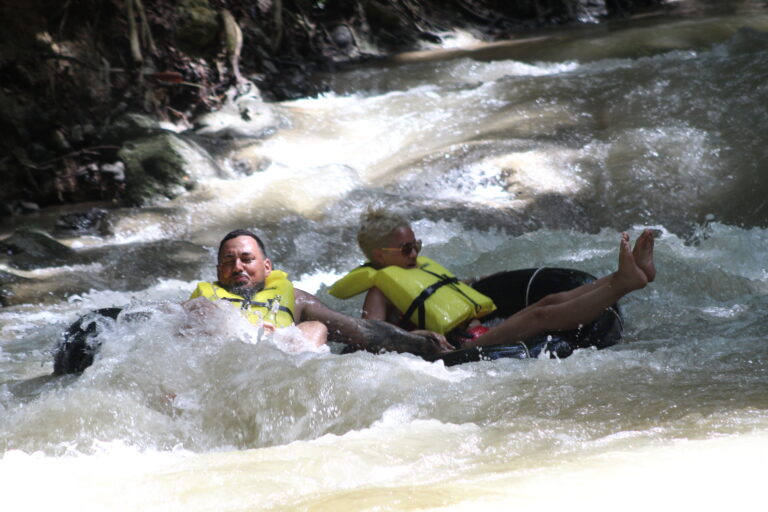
(392, 250)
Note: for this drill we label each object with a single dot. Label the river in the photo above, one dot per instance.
(535, 152)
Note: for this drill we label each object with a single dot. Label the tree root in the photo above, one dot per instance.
(278, 19)
(138, 39)
(234, 42)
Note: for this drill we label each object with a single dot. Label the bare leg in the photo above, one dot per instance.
(643, 254)
(580, 309)
(315, 332)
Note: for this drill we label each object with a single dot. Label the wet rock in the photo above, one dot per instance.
(249, 161)
(198, 30)
(16, 207)
(557, 211)
(59, 141)
(7, 282)
(82, 223)
(125, 267)
(131, 126)
(29, 206)
(116, 170)
(342, 36)
(28, 249)
(49, 290)
(136, 267)
(164, 166)
(77, 134)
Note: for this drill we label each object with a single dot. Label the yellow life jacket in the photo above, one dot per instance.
(357, 281)
(277, 287)
(429, 295)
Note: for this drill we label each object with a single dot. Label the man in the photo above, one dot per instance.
(392, 248)
(246, 279)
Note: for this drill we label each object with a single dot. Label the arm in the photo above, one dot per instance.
(371, 335)
(376, 305)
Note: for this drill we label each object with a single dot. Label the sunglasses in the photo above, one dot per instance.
(407, 248)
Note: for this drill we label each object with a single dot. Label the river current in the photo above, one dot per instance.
(536, 152)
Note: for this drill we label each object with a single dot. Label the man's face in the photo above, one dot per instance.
(242, 266)
(401, 251)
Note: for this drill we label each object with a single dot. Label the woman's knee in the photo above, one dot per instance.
(549, 300)
(540, 315)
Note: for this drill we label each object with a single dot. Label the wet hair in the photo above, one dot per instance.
(376, 227)
(241, 232)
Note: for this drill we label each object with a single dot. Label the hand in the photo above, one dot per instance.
(268, 327)
(200, 315)
(439, 339)
(199, 306)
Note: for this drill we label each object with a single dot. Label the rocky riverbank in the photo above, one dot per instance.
(94, 94)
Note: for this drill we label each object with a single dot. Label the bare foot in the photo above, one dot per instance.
(629, 274)
(643, 254)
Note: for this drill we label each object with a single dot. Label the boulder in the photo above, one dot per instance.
(164, 166)
(139, 266)
(131, 126)
(28, 249)
(49, 290)
(89, 222)
(7, 285)
(124, 267)
(198, 29)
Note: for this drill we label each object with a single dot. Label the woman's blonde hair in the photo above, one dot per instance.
(376, 227)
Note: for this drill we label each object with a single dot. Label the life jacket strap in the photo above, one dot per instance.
(453, 282)
(247, 303)
(418, 302)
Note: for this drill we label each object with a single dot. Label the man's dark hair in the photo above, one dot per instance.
(242, 232)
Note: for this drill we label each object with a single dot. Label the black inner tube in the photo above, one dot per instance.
(513, 291)
(75, 351)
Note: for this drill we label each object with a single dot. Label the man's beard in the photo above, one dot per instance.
(247, 291)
